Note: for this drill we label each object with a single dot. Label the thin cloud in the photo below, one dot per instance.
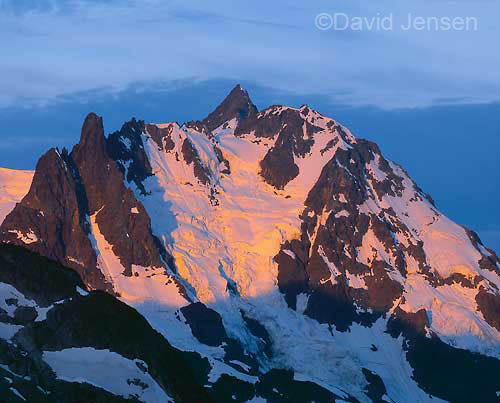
(71, 46)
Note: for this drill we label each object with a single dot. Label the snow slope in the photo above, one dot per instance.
(14, 184)
(107, 370)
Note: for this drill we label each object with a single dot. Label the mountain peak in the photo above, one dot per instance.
(239, 91)
(92, 134)
(236, 105)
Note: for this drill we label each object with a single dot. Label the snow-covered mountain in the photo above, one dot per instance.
(292, 259)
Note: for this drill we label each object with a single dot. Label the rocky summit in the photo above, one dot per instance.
(252, 256)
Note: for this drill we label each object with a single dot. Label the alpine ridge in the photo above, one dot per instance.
(273, 254)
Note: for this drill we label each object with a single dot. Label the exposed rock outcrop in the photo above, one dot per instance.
(236, 105)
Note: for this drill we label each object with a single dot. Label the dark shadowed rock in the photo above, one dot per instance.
(443, 371)
(489, 259)
(222, 160)
(101, 321)
(191, 157)
(162, 136)
(278, 166)
(205, 323)
(258, 330)
(37, 277)
(125, 146)
(292, 275)
(29, 376)
(208, 328)
(279, 385)
(53, 216)
(96, 320)
(112, 202)
(294, 137)
(236, 105)
(25, 314)
(228, 388)
(489, 305)
(375, 389)
(275, 386)
(409, 324)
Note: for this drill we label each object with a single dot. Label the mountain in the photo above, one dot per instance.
(289, 259)
(54, 334)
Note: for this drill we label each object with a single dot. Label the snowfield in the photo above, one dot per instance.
(14, 184)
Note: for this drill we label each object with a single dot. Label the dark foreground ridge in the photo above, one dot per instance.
(81, 319)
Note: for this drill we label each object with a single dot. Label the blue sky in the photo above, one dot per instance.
(430, 99)
(54, 47)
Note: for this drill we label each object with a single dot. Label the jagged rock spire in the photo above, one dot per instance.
(92, 135)
(236, 105)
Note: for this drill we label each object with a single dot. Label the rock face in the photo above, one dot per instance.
(293, 258)
(236, 105)
(78, 196)
(112, 203)
(44, 335)
(125, 145)
(52, 218)
(295, 137)
(333, 231)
